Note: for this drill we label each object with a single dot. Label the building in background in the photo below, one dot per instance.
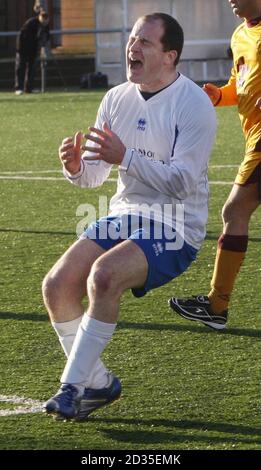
(64, 14)
(70, 56)
(77, 14)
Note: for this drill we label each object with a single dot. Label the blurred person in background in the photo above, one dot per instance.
(33, 36)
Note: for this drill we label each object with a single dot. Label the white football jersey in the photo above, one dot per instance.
(168, 139)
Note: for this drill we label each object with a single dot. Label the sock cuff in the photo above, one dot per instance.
(236, 243)
(67, 327)
(97, 327)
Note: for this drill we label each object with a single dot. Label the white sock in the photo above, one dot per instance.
(66, 332)
(91, 339)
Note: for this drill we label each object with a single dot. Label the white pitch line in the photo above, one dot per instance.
(25, 172)
(42, 178)
(33, 178)
(29, 172)
(61, 178)
(114, 170)
(221, 182)
(25, 405)
(223, 166)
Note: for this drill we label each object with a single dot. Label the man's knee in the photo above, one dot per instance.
(228, 211)
(236, 211)
(50, 288)
(103, 281)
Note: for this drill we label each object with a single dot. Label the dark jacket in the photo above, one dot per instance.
(32, 36)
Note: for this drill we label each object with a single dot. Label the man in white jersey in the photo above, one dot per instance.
(158, 128)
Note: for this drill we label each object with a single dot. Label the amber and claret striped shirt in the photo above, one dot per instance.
(244, 85)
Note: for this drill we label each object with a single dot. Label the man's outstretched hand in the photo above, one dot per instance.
(108, 147)
(70, 153)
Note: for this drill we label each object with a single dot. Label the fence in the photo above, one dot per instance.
(110, 55)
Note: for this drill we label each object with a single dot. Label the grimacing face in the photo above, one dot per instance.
(146, 61)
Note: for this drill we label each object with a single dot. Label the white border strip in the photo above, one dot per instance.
(42, 178)
(224, 183)
(223, 166)
(26, 405)
(61, 178)
(31, 172)
(38, 172)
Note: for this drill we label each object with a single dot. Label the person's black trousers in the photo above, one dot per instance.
(24, 72)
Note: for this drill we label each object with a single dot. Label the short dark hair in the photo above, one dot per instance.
(173, 37)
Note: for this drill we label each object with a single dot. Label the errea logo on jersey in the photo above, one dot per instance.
(141, 124)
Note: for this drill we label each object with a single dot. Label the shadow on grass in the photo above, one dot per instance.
(235, 433)
(176, 434)
(31, 316)
(124, 325)
(46, 232)
(35, 232)
(153, 437)
(191, 328)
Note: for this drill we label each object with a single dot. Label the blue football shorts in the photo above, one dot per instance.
(168, 256)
